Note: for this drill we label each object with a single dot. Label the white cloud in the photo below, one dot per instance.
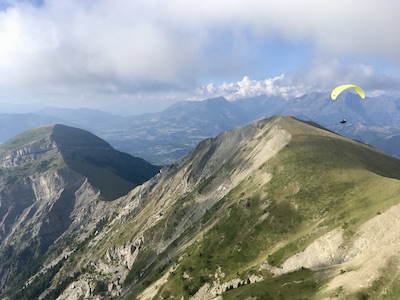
(321, 77)
(68, 42)
(136, 47)
(339, 26)
(246, 88)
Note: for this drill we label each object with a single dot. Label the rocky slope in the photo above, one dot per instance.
(279, 209)
(53, 181)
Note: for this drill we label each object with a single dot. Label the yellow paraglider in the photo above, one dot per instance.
(336, 91)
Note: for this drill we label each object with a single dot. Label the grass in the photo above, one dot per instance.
(25, 138)
(336, 185)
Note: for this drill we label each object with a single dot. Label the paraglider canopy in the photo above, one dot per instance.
(337, 90)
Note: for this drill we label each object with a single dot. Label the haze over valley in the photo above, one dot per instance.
(163, 137)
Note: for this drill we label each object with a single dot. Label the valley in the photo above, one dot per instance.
(162, 138)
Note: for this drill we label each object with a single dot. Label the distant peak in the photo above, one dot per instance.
(217, 99)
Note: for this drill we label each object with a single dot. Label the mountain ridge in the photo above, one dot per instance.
(240, 216)
(53, 183)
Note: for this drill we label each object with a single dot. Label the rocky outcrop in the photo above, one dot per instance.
(324, 252)
(34, 151)
(119, 259)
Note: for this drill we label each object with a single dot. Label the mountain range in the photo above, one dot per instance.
(162, 138)
(277, 209)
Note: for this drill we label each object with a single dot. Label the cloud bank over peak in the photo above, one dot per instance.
(247, 88)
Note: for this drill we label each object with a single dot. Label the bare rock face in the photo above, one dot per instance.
(29, 153)
(48, 198)
(38, 210)
(52, 183)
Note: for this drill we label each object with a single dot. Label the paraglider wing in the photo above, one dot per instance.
(336, 91)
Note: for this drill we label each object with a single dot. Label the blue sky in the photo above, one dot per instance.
(143, 55)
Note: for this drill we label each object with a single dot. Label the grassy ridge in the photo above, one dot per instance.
(318, 184)
(25, 138)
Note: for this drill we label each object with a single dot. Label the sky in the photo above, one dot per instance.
(135, 56)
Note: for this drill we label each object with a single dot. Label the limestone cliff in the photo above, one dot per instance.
(53, 181)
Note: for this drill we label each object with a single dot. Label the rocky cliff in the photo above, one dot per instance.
(53, 183)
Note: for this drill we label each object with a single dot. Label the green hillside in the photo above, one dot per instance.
(320, 182)
(25, 138)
